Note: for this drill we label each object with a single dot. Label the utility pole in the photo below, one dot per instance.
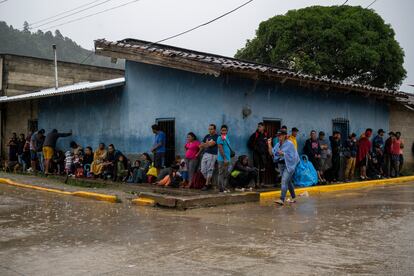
(56, 69)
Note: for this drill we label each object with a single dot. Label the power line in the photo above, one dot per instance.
(68, 15)
(59, 14)
(372, 3)
(345, 2)
(85, 59)
(3, 1)
(90, 15)
(204, 24)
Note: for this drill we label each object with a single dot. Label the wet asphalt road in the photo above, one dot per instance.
(369, 232)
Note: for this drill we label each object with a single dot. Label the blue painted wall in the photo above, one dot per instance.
(93, 117)
(151, 92)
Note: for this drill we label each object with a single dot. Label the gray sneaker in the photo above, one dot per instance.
(291, 200)
(280, 202)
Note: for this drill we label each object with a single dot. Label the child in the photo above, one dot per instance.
(68, 163)
(77, 165)
(183, 171)
(121, 171)
(134, 173)
(58, 162)
(173, 179)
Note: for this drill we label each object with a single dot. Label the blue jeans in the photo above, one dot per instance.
(21, 161)
(287, 183)
(41, 161)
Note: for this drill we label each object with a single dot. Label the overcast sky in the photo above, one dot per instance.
(156, 19)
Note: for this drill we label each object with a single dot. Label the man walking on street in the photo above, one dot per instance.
(258, 144)
(223, 158)
(208, 162)
(49, 146)
(286, 157)
(158, 148)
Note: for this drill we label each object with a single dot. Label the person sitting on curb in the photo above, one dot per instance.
(287, 158)
(242, 174)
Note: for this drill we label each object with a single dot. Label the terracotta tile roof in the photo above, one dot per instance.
(140, 50)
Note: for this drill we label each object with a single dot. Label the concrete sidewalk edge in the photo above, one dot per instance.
(96, 196)
(342, 186)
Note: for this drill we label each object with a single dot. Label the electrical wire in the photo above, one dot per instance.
(90, 15)
(1, 2)
(372, 3)
(345, 2)
(59, 14)
(68, 15)
(204, 24)
(85, 59)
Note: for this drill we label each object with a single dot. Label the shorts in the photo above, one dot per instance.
(48, 152)
(184, 175)
(33, 155)
(159, 160)
(364, 161)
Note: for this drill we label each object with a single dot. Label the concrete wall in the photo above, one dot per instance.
(402, 119)
(93, 117)
(24, 74)
(124, 117)
(15, 119)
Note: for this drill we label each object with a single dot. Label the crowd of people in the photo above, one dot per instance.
(374, 158)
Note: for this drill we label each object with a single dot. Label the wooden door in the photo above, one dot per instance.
(271, 126)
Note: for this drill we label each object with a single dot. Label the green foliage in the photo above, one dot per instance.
(340, 42)
(39, 44)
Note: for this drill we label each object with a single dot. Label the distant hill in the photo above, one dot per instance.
(39, 44)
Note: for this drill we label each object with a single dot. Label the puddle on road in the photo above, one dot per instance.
(337, 233)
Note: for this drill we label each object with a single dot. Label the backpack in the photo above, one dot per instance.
(79, 172)
(305, 174)
(152, 171)
(198, 181)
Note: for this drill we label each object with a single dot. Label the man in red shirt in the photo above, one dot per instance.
(396, 152)
(364, 147)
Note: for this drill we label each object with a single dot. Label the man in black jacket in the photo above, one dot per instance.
(313, 150)
(335, 140)
(258, 145)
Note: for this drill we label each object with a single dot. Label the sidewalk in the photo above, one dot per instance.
(139, 194)
(182, 199)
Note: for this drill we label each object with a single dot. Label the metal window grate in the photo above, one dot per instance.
(32, 125)
(341, 125)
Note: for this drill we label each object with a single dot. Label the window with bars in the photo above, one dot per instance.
(342, 126)
(32, 125)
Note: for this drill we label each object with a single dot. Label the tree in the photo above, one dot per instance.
(26, 27)
(39, 44)
(339, 42)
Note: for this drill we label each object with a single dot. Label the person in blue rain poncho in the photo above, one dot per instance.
(286, 157)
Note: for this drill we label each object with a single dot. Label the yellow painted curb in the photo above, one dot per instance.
(342, 187)
(102, 197)
(142, 201)
(96, 196)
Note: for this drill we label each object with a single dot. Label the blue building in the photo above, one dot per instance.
(184, 90)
